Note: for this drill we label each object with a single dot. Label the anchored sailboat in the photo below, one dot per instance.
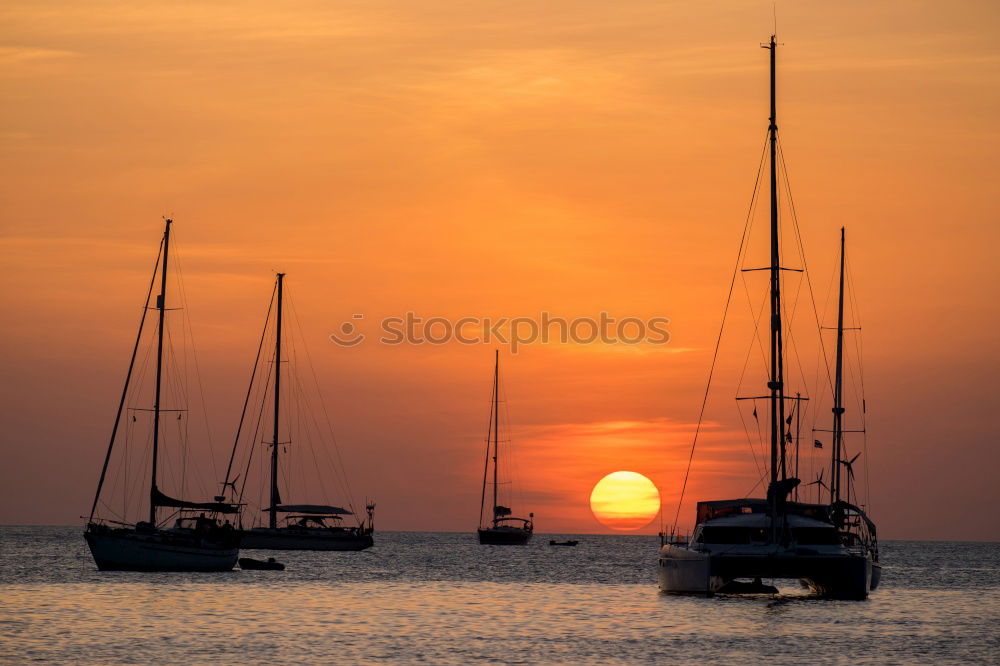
(291, 526)
(194, 542)
(830, 547)
(504, 529)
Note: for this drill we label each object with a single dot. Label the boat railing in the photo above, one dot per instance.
(674, 539)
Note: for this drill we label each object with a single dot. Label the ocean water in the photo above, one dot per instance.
(442, 598)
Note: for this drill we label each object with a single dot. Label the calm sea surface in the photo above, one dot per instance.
(442, 598)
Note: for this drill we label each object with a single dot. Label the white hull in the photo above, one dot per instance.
(128, 550)
(683, 571)
(282, 538)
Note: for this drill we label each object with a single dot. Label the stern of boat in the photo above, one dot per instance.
(682, 570)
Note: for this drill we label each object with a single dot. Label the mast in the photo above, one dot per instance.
(496, 427)
(275, 497)
(161, 305)
(838, 389)
(776, 383)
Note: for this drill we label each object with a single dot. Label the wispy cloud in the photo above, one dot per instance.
(14, 55)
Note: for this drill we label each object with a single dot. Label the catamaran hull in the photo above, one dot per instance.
(683, 571)
(131, 551)
(503, 537)
(686, 571)
(279, 539)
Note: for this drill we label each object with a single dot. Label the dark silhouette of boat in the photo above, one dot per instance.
(291, 526)
(270, 564)
(503, 529)
(831, 547)
(196, 541)
(553, 542)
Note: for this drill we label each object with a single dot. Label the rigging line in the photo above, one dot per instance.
(486, 465)
(756, 485)
(186, 319)
(802, 253)
(755, 316)
(790, 316)
(341, 483)
(250, 386)
(257, 435)
(339, 474)
(516, 485)
(859, 348)
(746, 363)
(326, 414)
(718, 342)
(128, 377)
(176, 389)
(792, 350)
(858, 339)
(297, 385)
(173, 388)
(816, 388)
(299, 399)
(746, 430)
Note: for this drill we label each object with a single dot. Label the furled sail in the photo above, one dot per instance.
(160, 499)
(321, 509)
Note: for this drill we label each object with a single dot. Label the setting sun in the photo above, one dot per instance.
(625, 500)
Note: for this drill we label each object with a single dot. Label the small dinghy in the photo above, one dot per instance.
(553, 542)
(266, 565)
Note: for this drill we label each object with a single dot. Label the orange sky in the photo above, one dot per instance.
(498, 159)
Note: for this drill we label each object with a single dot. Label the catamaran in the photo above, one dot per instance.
(830, 547)
(290, 526)
(503, 529)
(197, 540)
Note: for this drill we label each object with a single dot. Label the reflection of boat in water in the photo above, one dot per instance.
(270, 564)
(553, 542)
(756, 586)
(503, 529)
(292, 526)
(193, 542)
(831, 547)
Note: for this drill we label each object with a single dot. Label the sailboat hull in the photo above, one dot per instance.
(159, 550)
(503, 536)
(295, 539)
(837, 576)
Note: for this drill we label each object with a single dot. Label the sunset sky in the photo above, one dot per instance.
(497, 159)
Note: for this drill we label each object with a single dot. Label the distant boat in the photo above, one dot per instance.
(503, 529)
(296, 526)
(194, 542)
(553, 542)
(270, 564)
(831, 548)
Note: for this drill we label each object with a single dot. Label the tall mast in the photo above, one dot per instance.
(161, 305)
(776, 383)
(275, 497)
(838, 389)
(496, 428)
